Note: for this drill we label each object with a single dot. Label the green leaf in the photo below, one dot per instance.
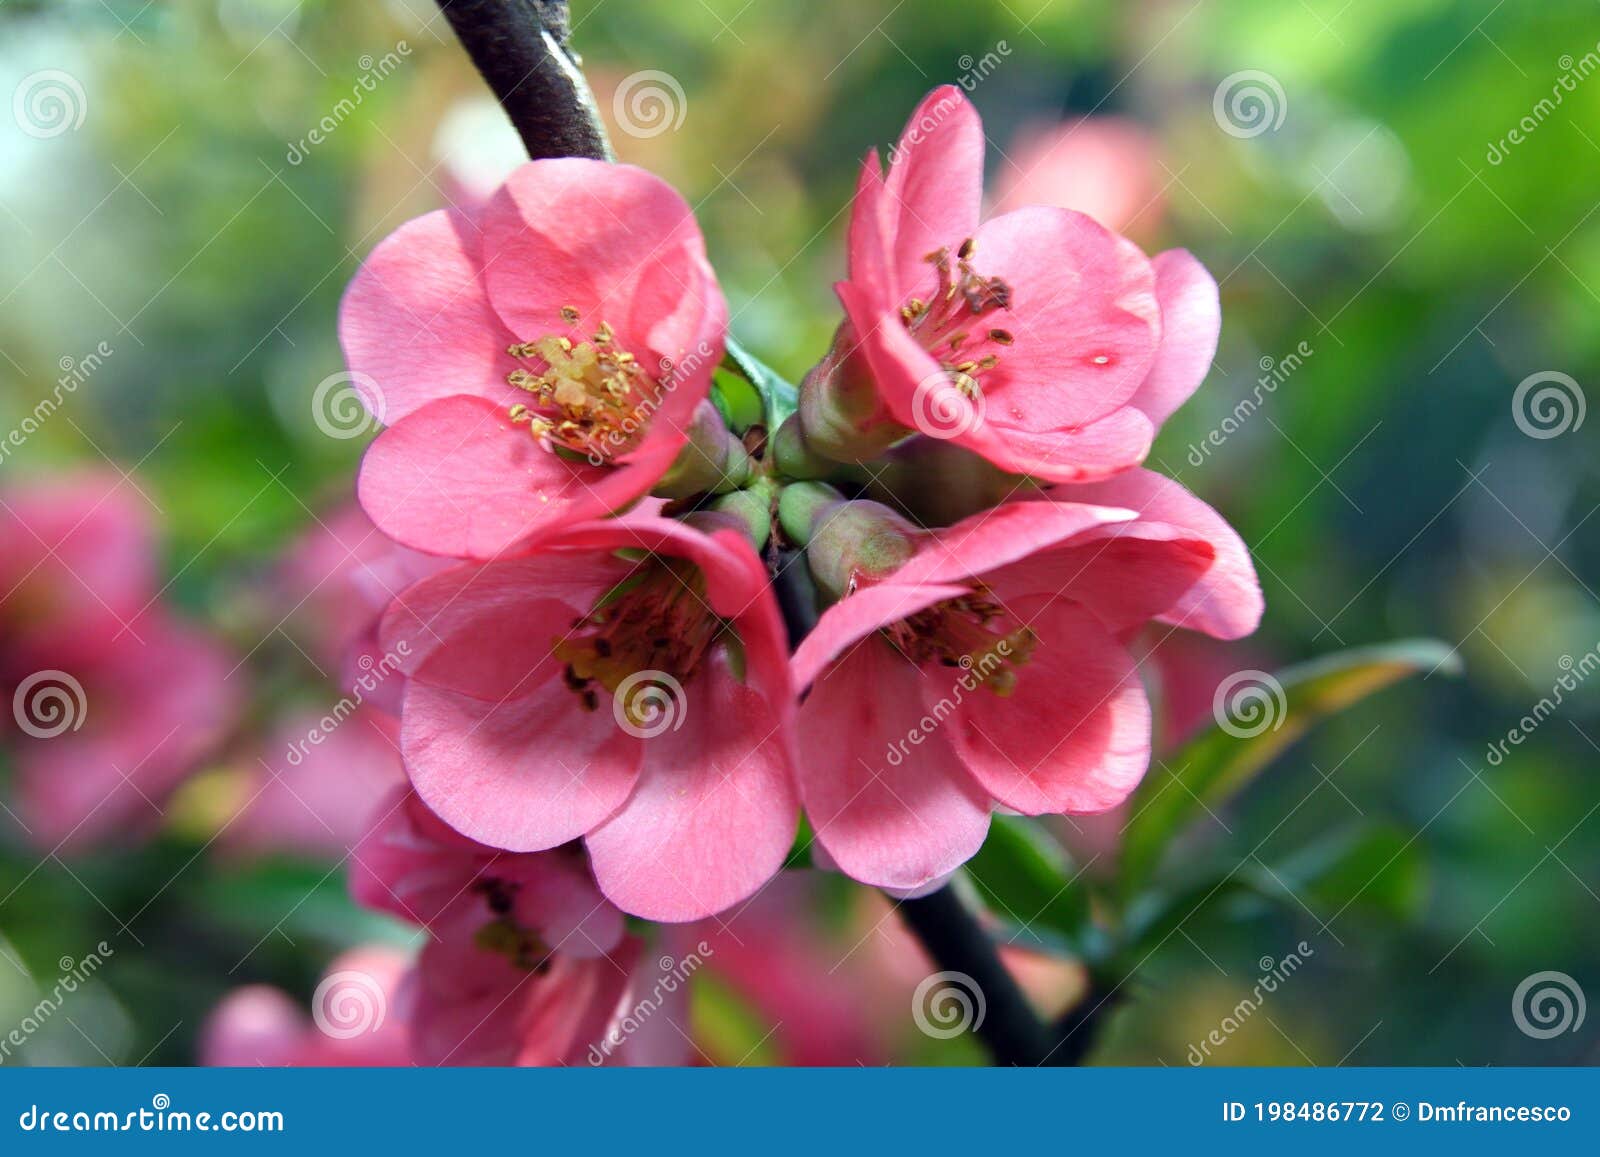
(1217, 764)
(1026, 878)
(778, 395)
(1376, 867)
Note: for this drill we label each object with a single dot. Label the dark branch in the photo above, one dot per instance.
(1011, 1029)
(520, 47)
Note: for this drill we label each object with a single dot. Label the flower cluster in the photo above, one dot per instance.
(659, 620)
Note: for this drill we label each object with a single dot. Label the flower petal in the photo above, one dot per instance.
(1191, 319)
(459, 478)
(1074, 734)
(416, 324)
(891, 811)
(714, 813)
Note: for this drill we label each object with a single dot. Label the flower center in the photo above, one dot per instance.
(952, 326)
(655, 621)
(972, 632)
(503, 935)
(592, 398)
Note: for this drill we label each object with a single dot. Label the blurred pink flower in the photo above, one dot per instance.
(337, 580)
(990, 670)
(1104, 166)
(113, 701)
(357, 1019)
(627, 685)
(526, 963)
(1038, 339)
(317, 783)
(577, 306)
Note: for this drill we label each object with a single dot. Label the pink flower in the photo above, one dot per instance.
(79, 564)
(316, 784)
(1102, 166)
(537, 361)
(1038, 339)
(627, 684)
(107, 742)
(356, 1019)
(114, 702)
(337, 581)
(990, 670)
(526, 962)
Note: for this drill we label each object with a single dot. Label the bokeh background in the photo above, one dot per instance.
(1362, 201)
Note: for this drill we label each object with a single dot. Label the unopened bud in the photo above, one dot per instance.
(841, 415)
(714, 460)
(847, 541)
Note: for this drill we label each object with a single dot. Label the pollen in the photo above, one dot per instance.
(655, 620)
(942, 323)
(591, 398)
(973, 632)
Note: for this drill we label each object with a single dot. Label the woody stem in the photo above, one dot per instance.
(520, 48)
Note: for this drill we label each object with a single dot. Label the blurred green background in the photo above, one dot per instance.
(1385, 487)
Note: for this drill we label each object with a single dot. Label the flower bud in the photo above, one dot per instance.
(713, 462)
(841, 415)
(846, 541)
(939, 483)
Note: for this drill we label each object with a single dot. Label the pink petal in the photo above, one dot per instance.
(934, 191)
(522, 773)
(459, 478)
(1084, 317)
(1191, 319)
(993, 538)
(889, 813)
(714, 813)
(1074, 735)
(416, 324)
(852, 619)
(620, 246)
(1226, 602)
